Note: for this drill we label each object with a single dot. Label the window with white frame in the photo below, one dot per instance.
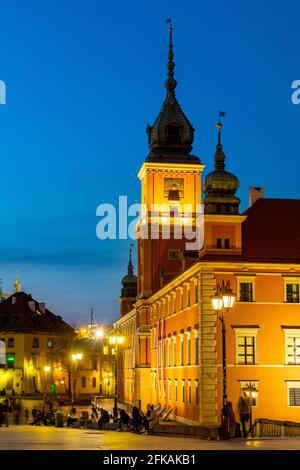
(292, 346)
(188, 348)
(292, 293)
(246, 289)
(196, 347)
(246, 384)
(293, 393)
(189, 391)
(183, 391)
(197, 392)
(246, 346)
(174, 350)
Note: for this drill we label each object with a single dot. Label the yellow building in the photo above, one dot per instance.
(34, 345)
(172, 352)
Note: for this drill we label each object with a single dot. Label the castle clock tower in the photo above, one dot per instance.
(170, 183)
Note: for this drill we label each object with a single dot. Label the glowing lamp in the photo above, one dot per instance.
(217, 302)
(47, 368)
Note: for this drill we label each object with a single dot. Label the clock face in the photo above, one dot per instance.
(174, 188)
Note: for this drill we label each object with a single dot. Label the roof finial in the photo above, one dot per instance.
(130, 265)
(17, 284)
(219, 155)
(170, 83)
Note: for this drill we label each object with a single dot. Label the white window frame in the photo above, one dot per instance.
(291, 280)
(293, 333)
(246, 280)
(246, 332)
(291, 384)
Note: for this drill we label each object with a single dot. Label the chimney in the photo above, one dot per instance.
(255, 193)
(42, 307)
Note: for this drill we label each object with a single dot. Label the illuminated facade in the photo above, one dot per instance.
(172, 352)
(33, 347)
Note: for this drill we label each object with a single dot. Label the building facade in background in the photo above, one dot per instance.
(172, 352)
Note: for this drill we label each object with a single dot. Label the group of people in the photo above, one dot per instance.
(231, 426)
(5, 410)
(138, 422)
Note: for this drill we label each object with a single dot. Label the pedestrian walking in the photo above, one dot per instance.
(244, 412)
(6, 412)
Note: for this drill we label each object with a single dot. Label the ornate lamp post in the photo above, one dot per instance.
(222, 301)
(116, 340)
(251, 392)
(76, 357)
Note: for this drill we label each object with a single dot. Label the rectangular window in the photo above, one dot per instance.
(189, 392)
(35, 343)
(196, 292)
(94, 382)
(174, 254)
(181, 352)
(246, 292)
(83, 382)
(50, 343)
(11, 342)
(188, 350)
(105, 350)
(197, 393)
(246, 349)
(227, 243)
(176, 390)
(219, 243)
(169, 352)
(169, 390)
(174, 351)
(293, 349)
(183, 391)
(94, 363)
(196, 345)
(2, 353)
(294, 395)
(292, 293)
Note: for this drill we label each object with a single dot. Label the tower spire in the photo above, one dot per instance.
(130, 265)
(170, 83)
(17, 284)
(219, 155)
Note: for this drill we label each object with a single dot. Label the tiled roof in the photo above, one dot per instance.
(21, 312)
(270, 234)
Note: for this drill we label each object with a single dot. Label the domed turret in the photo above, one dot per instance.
(220, 186)
(171, 136)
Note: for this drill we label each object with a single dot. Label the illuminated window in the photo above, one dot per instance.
(246, 349)
(35, 361)
(105, 350)
(292, 293)
(50, 343)
(246, 291)
(35, 343)
(11, 342)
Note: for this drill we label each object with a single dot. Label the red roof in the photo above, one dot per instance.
(270, 234)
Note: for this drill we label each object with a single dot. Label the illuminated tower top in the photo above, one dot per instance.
(171, 136)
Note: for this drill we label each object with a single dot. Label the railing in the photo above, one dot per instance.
(270, 428)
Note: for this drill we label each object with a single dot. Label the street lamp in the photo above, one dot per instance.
(75, 358)
(251, 392)
(222, 301)
(116, 340)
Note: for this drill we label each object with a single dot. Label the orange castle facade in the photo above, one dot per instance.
(172, 353)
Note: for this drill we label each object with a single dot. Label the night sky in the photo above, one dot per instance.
(83, 80)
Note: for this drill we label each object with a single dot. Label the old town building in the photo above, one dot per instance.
(172, 352)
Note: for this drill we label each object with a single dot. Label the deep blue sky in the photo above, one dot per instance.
(83, 80)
